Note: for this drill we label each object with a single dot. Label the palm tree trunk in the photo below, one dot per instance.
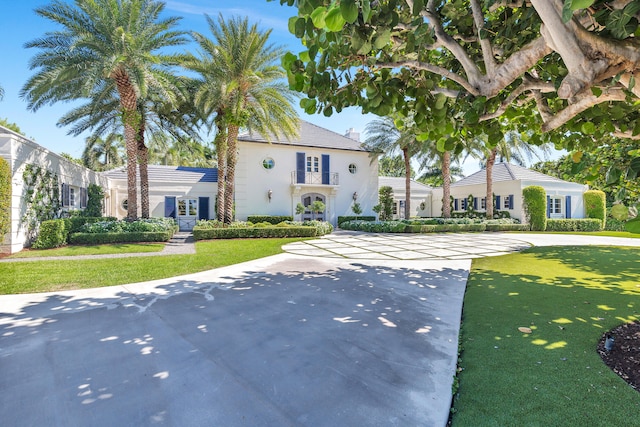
(221, 152)
(489, 197)
(446, 184)
(128, 102)
(232, 159)
(407, 182)
(143, 161)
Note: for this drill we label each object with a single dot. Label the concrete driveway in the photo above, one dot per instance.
(283, 341)
(358, 332)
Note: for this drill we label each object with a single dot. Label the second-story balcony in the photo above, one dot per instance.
(314, 178)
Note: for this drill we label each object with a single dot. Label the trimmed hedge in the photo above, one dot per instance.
(441, 228)
(271, 219)
(507, 227)
(535, 207)
(52, 234)
(342, 219)
(126, 237)
(633, 226)
(254, 232)
(5, 198)
(595, 205)
(578, 224)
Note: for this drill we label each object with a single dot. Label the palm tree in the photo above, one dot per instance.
(1, 93)
(385, 137)
(103, 43)
(103, 154)
(101, 116)
(241, 86)
(432, 175)
(511, 147)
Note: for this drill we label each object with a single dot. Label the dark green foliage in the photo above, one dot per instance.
(271, 219)
(633, 226)
(74, 224)
(254, 232)
(535, 206)
(5, 198)
(507, 227)
(595, 205)
(578, 224)
(52, 234)
(41, 197)
(342, 219)
(375, 226)
(481, 215)
(124, 237)
(385, 207)
(95, 196)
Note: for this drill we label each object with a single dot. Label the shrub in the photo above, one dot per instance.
(52, 234)
(272, 219)
(578, 224)
(535, 206)
(595, 203)
(138, 226)
(507, 227)
(119, 237)
(633, 226)
(95, 196)
(5, 198)
(385, 207)
(614, 224)
(74, 224)
(213, 229)
(342, 219)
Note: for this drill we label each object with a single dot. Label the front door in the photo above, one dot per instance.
(308, 200)
(187, 214)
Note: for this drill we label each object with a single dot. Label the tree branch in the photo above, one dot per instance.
(627, 135)
(485, 44)
(584, 101)
(417, 65)
(527, 85)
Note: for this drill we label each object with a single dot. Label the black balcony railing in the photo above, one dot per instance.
(317, 178)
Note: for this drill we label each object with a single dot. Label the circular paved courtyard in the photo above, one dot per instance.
(381, 246)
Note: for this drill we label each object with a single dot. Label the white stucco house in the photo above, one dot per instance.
(73, 181)
(421, 196)
(271, 179)
(564, 198)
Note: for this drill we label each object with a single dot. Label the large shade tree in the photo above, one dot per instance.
(545, 64)
(241, 87)
(103, 43)
(101, 154)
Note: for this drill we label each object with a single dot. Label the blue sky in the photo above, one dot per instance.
(23, 26)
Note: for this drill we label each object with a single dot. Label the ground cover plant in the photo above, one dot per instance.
(46, 276)
(569, 298)
(118, 248)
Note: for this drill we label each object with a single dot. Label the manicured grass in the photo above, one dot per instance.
(597, 233)
(120, 248)
(46, 276)
(569, 297)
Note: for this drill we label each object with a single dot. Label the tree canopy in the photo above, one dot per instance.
(543, 64)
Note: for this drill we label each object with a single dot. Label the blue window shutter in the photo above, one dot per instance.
(455, 204)
(548, 206)
(203, 208)
(325, 169)
(475, 203)
(498, 205)
(464, 204)
(567, 201)
(300, 168)
(511, 201)
(169, 207)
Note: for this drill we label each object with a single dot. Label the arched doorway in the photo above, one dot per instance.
(307, 201)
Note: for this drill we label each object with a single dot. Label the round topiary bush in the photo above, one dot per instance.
(535, 206)
(595, 205)
(5, 198)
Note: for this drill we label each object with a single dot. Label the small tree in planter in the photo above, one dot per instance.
(300, 210)
(357, 209)
(317, 207)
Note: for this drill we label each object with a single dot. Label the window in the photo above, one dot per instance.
(268, 163)
(353, 168)
(187, 207)
(506, 202)
(125, 204)
(483, 203)
(556, 206)
(313, 164)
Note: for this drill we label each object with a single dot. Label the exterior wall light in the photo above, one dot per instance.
(269, 195)
(355, 195)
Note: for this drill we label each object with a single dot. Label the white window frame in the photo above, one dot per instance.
(556, 208)
(313, 164)
(187, 205)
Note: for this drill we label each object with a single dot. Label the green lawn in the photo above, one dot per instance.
(569, 297)
(46, 276)
(625, 234)
(120, 248)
